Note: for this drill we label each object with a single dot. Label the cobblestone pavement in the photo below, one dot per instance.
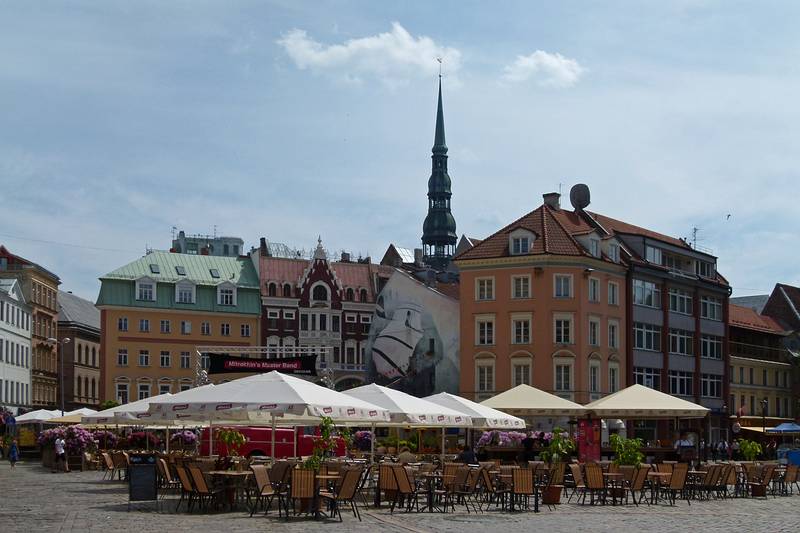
(33, 499)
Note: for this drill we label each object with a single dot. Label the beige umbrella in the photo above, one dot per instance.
(524, 400)
(640, 402)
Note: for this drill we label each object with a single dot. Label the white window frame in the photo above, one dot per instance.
(186, 327)
(594, 247)
(594, 290)
(140, 390)
(613, 334)
(711, 347)
(648, 331)
(488, 323)
(711, 383)
(681, 342)
(144, 322)
(594, 324)
(122, 388)
(710, 308)
(144, 356)
(570, 339)
(141, 283)
(644, 289)
(165, 326)
(122, 357)
(244, 330)
(524, 321)
(519, 362)
(484, 289)
(562, 277)
(165, 356)
(613, 252)
(613, 293)
(229, 291)
(225, 329)
(558, 378)
(613, 377)
(681, 383)
(520, 241)
(524, 283)
(181, 288)
(681, 301)
(205, 328)
(482, 385)
(594, 376)
(186, 357)
(652, 254)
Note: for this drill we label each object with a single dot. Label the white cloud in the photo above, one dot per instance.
(392, 57)
(550, 70)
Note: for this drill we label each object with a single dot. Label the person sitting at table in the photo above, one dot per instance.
(467, 456)
(406, 456)
(685, 448)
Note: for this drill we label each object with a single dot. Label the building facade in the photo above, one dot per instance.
(156, 311)
(15, 347)
(207, 245)
(40, 290)
(543, 303)
(79, 336)
(321, 307)
(761, 370)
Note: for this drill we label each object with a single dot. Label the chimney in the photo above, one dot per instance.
(262, 247)
(418, 256)
(345, 257)
(552, 199)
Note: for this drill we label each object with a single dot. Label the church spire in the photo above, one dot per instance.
(439, 228)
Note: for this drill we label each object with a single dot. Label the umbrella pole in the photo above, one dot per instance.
(274, 456)
(441, 458)
(372, 445)
(294, 441)
(167, 441)
(210, 438)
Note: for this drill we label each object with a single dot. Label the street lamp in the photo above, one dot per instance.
(60, 355)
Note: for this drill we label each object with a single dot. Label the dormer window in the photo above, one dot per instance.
(703, 269)
(613, 252)
(520, 242)
(226, 294)
(146, 290)
(184, 292)
(594, 247)
(320, 293)
(653, 255)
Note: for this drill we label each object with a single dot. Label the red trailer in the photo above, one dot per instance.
(259, 442)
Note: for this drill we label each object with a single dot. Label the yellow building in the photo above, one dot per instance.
(157, 310)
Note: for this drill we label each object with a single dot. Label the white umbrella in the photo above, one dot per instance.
(529, 401)
(483, 417)
(81, 411)
(132, 411)
(40, 415)
(640, 402)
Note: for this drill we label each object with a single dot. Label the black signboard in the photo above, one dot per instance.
(305, 365)
(142, 478)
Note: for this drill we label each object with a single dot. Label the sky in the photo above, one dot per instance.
(292, 120)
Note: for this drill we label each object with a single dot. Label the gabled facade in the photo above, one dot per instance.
(316, 306)
(79, 321)
(40, 290)
(157, 310)
(15, 347)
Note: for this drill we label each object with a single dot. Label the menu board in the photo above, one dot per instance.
(142, 478)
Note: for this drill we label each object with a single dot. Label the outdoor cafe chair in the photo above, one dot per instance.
(345, 493)
(595, 484)
(366, 483)
(187, 489)
(110, 469)
(386, 483)
(790, 479)
(522, 487)
(265, 491)
(577, 479)
(636, 485)
(759, 483)
(677, 483)
(493, 492)
(166, 480)
(302, 490)
(405, 488)
(205, 494)
(468, 493)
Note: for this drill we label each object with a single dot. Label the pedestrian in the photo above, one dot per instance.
(713, 446)
(61, 455)
(13, 453)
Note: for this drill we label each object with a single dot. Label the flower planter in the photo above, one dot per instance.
(551, 495)
(48, 457)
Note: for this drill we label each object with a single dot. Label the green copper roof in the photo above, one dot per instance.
(200, 269)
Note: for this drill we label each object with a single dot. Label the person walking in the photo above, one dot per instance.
(13, 453)
(61, 455)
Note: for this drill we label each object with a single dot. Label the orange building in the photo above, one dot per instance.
(543, 303)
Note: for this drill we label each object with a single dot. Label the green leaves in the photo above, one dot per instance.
(627, 451)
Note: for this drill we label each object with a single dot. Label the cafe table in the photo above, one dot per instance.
(431, 479)
(656, 479)
(233, 481)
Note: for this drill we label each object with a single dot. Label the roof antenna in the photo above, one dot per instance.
(215, 231)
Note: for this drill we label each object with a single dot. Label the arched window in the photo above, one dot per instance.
(320, 293)
(362, 295)
(85, 386)
(94, 389)
(80, 353)
(78, 387)
(94, 356)
(349, 295)
(287, 290)
(272, 290)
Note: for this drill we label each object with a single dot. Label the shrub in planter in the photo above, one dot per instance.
(749, 449)
(627, 451)
(558, 449)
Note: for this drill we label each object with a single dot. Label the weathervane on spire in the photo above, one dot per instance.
(439, 59)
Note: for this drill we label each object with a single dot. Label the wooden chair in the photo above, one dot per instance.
(522, 488)
(108, 463)
(467, 494)
(187, 489)
(577, 477)
(265, 490)
(205, 493)
(302, 489)
(790, 479)
(405, 488)
(677, 483)
(760, 483)
(386, 482)
(595, 484)
(166, 480)
(120, 465)
(346, 493)
(637, 485)
(493, 492)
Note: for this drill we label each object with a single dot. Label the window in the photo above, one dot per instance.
(155, 269)
(164, 388)
(752, 381)
(711, 347)
(594, 290)
(681, 383)
(741, 374)
(594, 247)
(144, 358)
(484, 289)
(521, 286)
(181, 271)
(144, 325)
(205, 361)
(185, 386)
(186, 327)
(225, 329)
(272, 290)
(764, 380)
(710, 308)
(521, 374)
(485, 331)
(613, 252)
(521, 330)
(185, 293)
(122, 324)
(563, 330)
(304, 321)
(652, 255)
(520, 245)
(144, 390)
(680, 301)
(349, 294)
(335, 323)
(613, 293)
(594, 377)
(227, 296)
(613, 334)
(485, 377)
(703, 268)
(681, 342)
(165, 326)
(287, 290)
(122, 357)
(245, 330)
(185, 359)
(563, 377)
(320, 293)
(166, 360)
(214, 273)
(613, 377)
(594, 333)
(205, 328)
(563, 286)
(711, 386)
(646, 337)
(362, 295)
(145, 291)
(122, 393)
(649, 377)
(646, 293)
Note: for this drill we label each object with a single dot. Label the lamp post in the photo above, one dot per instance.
(60, 355)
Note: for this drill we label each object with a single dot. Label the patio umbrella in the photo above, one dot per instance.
(40, 415)
(785, 428)
(525, 400)
(640, 402)
(482, 417)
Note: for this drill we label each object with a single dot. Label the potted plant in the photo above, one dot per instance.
(627, 456)
(558, 449)
(233, 439)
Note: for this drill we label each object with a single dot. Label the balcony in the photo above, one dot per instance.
(756, 351)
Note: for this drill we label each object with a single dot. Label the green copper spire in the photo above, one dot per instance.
(439, 146)
(439, 228)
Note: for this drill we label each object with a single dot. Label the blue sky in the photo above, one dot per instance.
(293, 119)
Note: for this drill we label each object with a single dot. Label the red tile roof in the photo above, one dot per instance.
(745, 317)
(355, 275)
(281, 270)
(617, 226)
(551, 238)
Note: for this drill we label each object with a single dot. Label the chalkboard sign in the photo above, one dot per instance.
(142, 478)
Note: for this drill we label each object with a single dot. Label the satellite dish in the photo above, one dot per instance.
(579, 196)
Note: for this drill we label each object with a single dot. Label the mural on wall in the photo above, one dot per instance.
(413, 340)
